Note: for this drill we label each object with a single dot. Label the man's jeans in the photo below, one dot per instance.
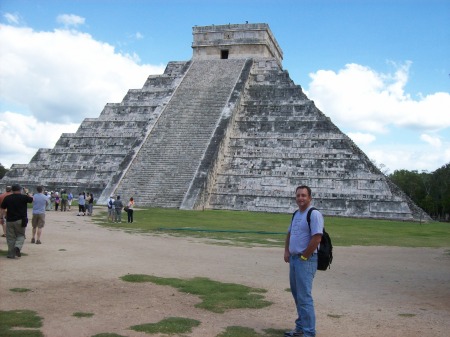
(15, 236)
(301, 275)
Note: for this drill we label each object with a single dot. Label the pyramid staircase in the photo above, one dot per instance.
(170, 158)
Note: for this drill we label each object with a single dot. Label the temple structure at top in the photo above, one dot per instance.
(227, 129)
(235, 42)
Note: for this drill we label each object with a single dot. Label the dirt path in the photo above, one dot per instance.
(370, 291)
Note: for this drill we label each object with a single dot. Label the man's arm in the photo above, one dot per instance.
(286, 247)
(312, 246)
(2, 212)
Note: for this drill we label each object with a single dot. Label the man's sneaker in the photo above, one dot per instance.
(17, 249)
(38, 242)
(293, 333)
(32, 240)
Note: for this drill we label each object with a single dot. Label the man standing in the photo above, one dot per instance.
(64, 198)
(69, 199)
(2, 218)
(81, 204)
(118, 205)
(38, 220)
(111, 209)
(300, 252)
(15, 206)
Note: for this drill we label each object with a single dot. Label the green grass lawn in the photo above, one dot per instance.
(269, 229)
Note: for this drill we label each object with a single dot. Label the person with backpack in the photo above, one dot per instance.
(111, 209)
(301, 246)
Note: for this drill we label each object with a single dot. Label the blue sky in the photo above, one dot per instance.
(379, 69)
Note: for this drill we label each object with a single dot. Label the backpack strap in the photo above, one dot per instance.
(308, 216)
(293, 215)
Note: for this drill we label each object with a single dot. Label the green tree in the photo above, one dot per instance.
(430, 191)
(3, 171)
(440, 190)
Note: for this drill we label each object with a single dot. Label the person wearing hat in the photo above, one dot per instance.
(2, 218)
(15, 206)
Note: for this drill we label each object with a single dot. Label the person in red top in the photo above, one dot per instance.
(2, 218)
(15, 206)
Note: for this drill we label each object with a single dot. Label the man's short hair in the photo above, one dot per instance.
(39, 189)
(302, 187)
(8, 188)
(16, 187)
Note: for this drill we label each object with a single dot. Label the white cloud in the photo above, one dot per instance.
(70, 20)
(432, 140)
(359, 98)
(361, 138)
(64, 76)
(11, 18)
(26, 134)
(410, 157)
(59, 78)
(364, 103)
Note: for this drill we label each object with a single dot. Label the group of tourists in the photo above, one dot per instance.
(85, 204)
(14, 212)
(62, 200)
(115, 208)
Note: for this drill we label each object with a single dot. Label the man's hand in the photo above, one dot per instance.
(287, 255)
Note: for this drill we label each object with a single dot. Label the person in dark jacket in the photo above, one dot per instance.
(15, 206)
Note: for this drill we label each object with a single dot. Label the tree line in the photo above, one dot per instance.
(430, 191)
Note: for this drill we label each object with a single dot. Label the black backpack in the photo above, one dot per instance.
(325, 253)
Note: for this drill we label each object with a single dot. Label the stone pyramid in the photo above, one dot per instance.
(228, 129)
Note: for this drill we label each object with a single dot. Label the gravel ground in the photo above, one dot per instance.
(370, 291)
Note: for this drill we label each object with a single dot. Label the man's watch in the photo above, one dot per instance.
(303, 258)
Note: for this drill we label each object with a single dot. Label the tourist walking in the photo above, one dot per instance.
(300, 252)
(111, 209)
(15, 206)
(118, 205)
(130, 210)
(38, 220)
(2, 218)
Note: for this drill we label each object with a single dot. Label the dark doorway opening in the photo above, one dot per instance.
(224, 54)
